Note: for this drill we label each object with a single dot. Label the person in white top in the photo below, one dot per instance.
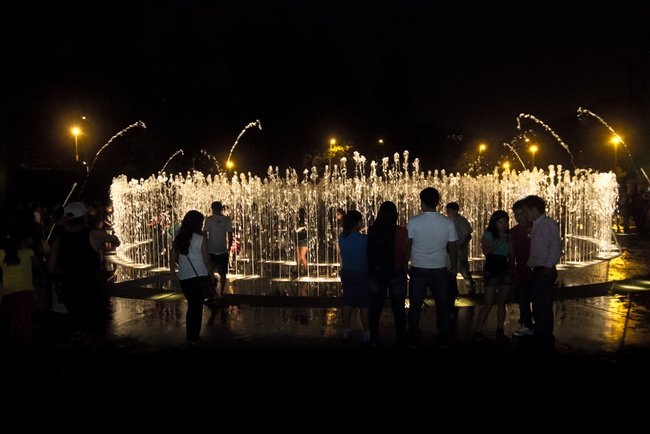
(431, 237)
(219, 230)
(545, 253)
(190, 252)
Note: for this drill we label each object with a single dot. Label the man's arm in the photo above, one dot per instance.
(98, 238)
(452, 250)
(407, 251)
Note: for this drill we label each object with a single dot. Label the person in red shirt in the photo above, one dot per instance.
(520, 242)
(387, 267)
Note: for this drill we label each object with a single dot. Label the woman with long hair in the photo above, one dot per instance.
(17, 263)
(498, 257)
(190, 252)
(353, 257)
(302, 244)
(387, 265)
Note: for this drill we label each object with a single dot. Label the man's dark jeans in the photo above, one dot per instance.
(437, 280)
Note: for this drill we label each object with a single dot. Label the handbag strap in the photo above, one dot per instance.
(188, 259)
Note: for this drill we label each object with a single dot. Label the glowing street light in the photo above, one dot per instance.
(75, 132)
(506, 165)
(481, 147)
(533, 149)
(230, 164)
(380, 141)
(615, 141)
(330, 151)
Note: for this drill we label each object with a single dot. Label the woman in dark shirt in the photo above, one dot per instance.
(387, 268)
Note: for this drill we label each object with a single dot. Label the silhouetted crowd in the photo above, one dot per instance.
(52, 264)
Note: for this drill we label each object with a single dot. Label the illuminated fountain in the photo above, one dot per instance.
(147, 212)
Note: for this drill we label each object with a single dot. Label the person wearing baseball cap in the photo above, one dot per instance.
(76, 256)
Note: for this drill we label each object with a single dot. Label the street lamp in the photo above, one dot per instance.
(230, 165)
(615, 141)
(330, 151)
(75, 132)
(481, 147)
(506, 165)
(533, 149)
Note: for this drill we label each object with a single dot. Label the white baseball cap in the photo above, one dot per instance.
(74, 210)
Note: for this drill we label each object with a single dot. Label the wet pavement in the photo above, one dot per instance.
(287, 344)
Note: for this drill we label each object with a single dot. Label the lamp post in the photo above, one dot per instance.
(229, 166)
(75, 132)
(615, 141)
(533, 149)
(330, 151)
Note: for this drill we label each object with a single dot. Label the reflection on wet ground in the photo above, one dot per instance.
(609, 326)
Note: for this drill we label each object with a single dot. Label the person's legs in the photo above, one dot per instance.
(463, 269)
(439, 284)
(377, 299)
(222, 269)
(524, 299)
(542, 290)
(489, 295)
(502, 296)
(397, 291)
(302, 258)
(417, 288)
(194, 294)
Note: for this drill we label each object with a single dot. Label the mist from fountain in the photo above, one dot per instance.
(136, 124)
(549, 130)
(180, 151)
(147, 212)
(583, 112)
(257, 124)
(509, 146)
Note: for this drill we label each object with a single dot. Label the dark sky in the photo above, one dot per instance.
(410, 72)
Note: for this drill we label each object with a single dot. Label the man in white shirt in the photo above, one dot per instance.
(219, 230)
(545, 253)
(431, 237)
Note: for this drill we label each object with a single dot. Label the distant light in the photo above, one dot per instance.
(482, 147)
(533, 148)
(506, 165)
(83, 117)
(230, 164)
(332, 141)
(616, 140)
(381, 141)
(75, 131)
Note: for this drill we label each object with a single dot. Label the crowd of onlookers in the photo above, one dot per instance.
(52, 265)
(427, 255)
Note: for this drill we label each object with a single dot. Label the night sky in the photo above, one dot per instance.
(416, 74)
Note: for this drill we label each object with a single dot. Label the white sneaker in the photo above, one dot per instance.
(523, 331)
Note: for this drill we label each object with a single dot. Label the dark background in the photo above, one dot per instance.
(434, 78)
